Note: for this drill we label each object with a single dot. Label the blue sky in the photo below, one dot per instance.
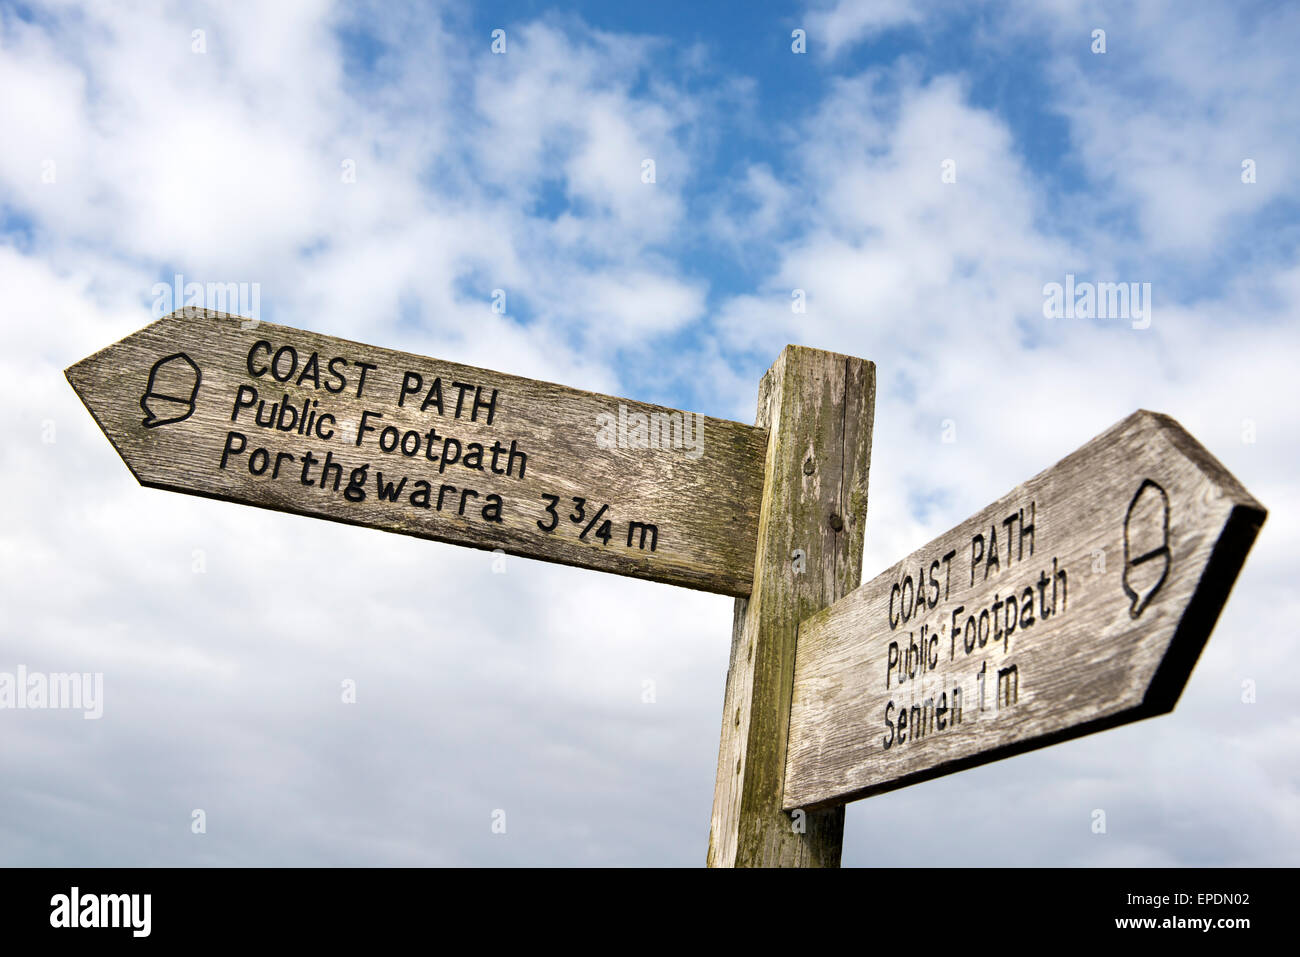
(132, 155)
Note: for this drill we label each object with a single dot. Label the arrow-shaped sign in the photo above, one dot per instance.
(1078, 602)
(251, 412)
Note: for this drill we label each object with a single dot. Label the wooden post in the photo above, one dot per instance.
(818, 408)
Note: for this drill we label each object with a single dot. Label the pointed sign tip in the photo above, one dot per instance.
(73, 374)
(1205, 461)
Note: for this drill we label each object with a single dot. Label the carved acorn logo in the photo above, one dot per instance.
(1146, 545)
(169, 396)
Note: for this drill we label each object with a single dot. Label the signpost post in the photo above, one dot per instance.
(1078, 602)
(819, 408)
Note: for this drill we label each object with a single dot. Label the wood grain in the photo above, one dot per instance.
(1137, 538)
(704, 506)
(818, 407)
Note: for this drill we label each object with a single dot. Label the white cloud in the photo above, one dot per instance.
(476, 690)
(840, 24)
(523, 172)
(941, 284)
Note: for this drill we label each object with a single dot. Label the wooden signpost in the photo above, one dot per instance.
(261, 414)
(1078, 602)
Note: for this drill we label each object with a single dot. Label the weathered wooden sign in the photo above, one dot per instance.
(1079, 601)
(221, 406)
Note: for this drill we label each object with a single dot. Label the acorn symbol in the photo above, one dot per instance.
(1146, 545)
(169, 396)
